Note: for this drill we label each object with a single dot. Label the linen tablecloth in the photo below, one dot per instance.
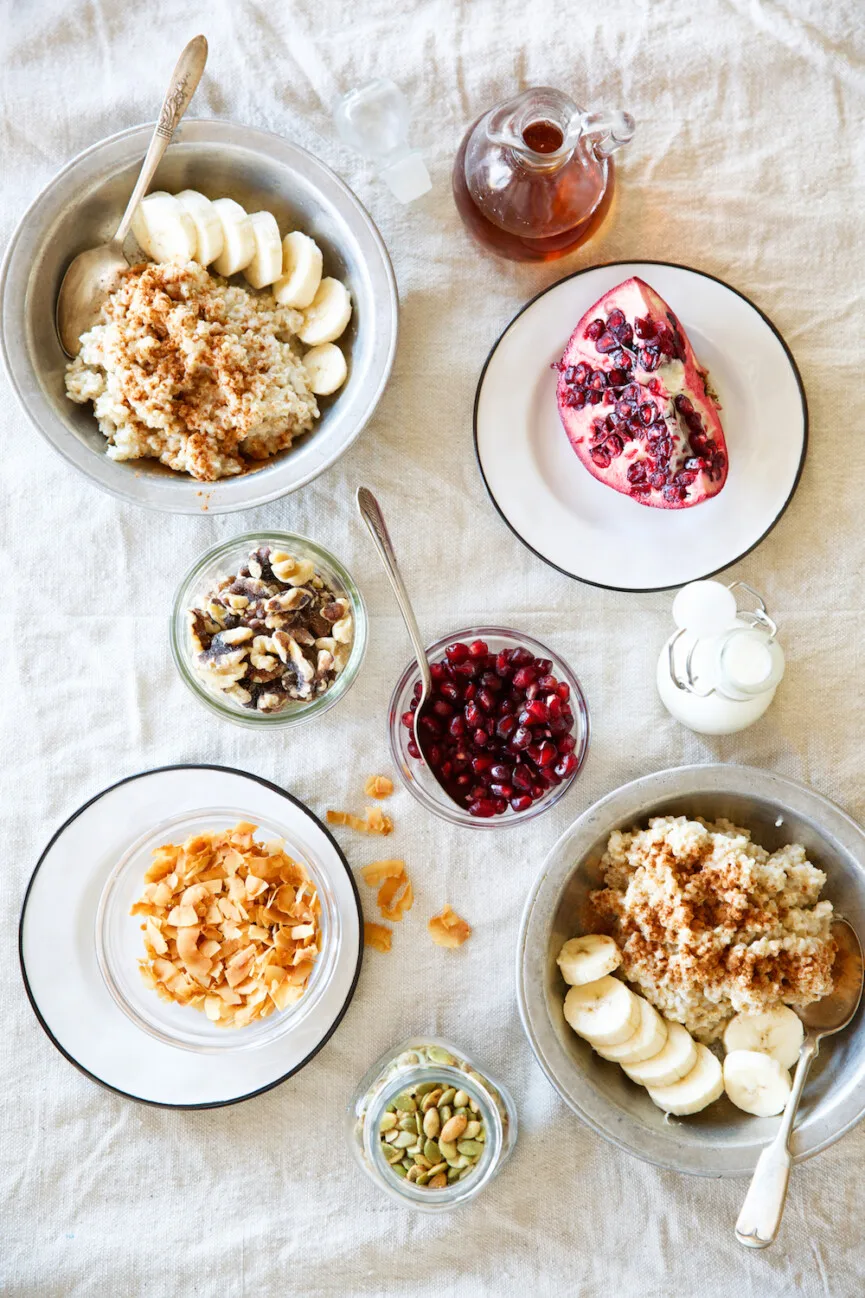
(748, 163)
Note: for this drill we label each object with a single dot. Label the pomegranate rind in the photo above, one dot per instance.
(684, 426)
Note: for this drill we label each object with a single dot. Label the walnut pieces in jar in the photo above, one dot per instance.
(272, 634)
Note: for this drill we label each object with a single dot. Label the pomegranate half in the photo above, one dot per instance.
(637, 405)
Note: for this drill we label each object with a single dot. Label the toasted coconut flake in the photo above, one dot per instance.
(377, 936)
(377, 822)
(209, 941)
(395, 909)
(447, 929)
(377, 871)
(378, 786)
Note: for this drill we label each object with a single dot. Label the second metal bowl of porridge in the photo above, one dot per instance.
(721, 1140)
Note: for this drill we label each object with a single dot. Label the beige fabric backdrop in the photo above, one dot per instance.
(749, 163)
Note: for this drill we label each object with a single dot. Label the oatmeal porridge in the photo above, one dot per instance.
(197, 373)
(710, 924)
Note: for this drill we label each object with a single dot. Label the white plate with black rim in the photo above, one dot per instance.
(584, 528)
(60, 963)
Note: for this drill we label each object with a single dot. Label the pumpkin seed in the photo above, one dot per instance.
(404, 1139)
(439, 1167)
(422, 1179)
(431, 1099)
(406, 1103)
(413, 1173)
(467, 1171)
(423, 1163)
(460, 1100)
(471, 1130)
(439, 1055)
(447, 1096)
(399, 1169)
(407, 1123)
(418, 1124)
(453, 1174)
(448, 1151)
(388, 1122)
(392, 1155)
(437, 1182)
(425, 1088)
(454, 1128)
(432, 1122)
(407, 1163)
(391, 1136)
(432, 1151)
(445, 1112)
(474, 1148)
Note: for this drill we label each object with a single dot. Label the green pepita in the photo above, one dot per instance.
(460, 1100)
(439, 1056)
(399, 1169)
(453, 1174)
(404, 1139)
(445, 1112)
(422, 1179)
(392, 1155)
(471, 1130)
(447, 1096)
(432, 1151)
(407, 1123)
(425, 1088)
(448, 1150)
(388, 1122)
(473, 1148)
(432, 1123)
(406, 1103)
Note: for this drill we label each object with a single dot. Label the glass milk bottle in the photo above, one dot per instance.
(718, 672)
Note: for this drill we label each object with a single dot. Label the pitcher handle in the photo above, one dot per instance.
(608, 131)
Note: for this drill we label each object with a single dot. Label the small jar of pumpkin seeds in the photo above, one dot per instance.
(429, 1127)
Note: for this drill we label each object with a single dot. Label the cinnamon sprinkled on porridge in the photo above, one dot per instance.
(192, 371)
(710, 924)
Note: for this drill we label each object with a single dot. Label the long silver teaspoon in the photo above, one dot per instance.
(371, 514)
(92, 275)
(763, 1208)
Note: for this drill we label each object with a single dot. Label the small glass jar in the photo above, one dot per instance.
(418, 1061)
(226, 559)
(417, 776)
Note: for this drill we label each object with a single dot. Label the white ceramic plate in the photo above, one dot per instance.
(58, 951)
(597, 535)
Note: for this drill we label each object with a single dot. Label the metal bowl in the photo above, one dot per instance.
(722, 1141)
(82, 206)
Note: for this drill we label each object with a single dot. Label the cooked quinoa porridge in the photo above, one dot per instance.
(192, 371)
(710, 924)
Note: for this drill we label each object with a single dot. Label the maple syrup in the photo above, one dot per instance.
(532, 181)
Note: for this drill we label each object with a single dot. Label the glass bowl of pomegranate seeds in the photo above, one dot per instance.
(505, 730)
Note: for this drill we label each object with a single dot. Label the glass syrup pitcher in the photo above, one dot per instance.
(533, 178)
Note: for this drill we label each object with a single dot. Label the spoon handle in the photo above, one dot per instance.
(760, 1218)
(184, 81)
(371, 514)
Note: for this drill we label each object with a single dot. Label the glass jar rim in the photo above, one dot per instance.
(292, 715)
(442, 806)
(457, 1077)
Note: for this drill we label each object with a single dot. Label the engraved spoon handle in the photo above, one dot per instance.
(371, 514)
(760, 1218)
(184, 81)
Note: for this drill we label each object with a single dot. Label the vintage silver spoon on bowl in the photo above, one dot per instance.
(763, 1208)
(92, 275)
(371, 514)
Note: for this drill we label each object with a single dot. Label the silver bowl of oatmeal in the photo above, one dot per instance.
(796, 837)
(81, 207)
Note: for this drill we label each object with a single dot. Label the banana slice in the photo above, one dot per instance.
(605, 1012)
(325, 369)
(700, 1087)
(777, 1032)
(584, 959)
(238, 247)
(756, 1082)
(301, 271)
(164, 230)
(672, 1063)
(266, 264)
(327, 315)
(208, 227)
(648, 1040)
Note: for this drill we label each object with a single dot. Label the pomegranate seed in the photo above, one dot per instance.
(594, 330)
(486, 700)
(501, 773)
(466, 669)
(563, 690)
(434, 756)
(478, 649)
(481, 738)
(649, 359)
(606, 343)
(442, 708)
(501, 806)
(457, 653)
(548, 683)
(521, 657)
(566, 744)
(601, 458)
(482, 807)
(437, 671)
(524, 677)
(543, 754)
(644, 327)
(457, 727)
(520, 739)
(616, 378)
(624, 333)
(502, 790)
(450, 690)
(581, 374)
(503, 664)
(566, 766)
(616, 318)
(429, 724)
(598, 381)
(683, 404)
(412, 749)
(463, 781)
(554, 707)
(418, 690)
(491, 681)
(522, 776)
(483, 762)
(473, 714)
(461, 760)
(407, 720)
(595, 398)
(446, 770)
(522, 802)
(534, 691)
(544, 665)
(469, 692)
(538, 790)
